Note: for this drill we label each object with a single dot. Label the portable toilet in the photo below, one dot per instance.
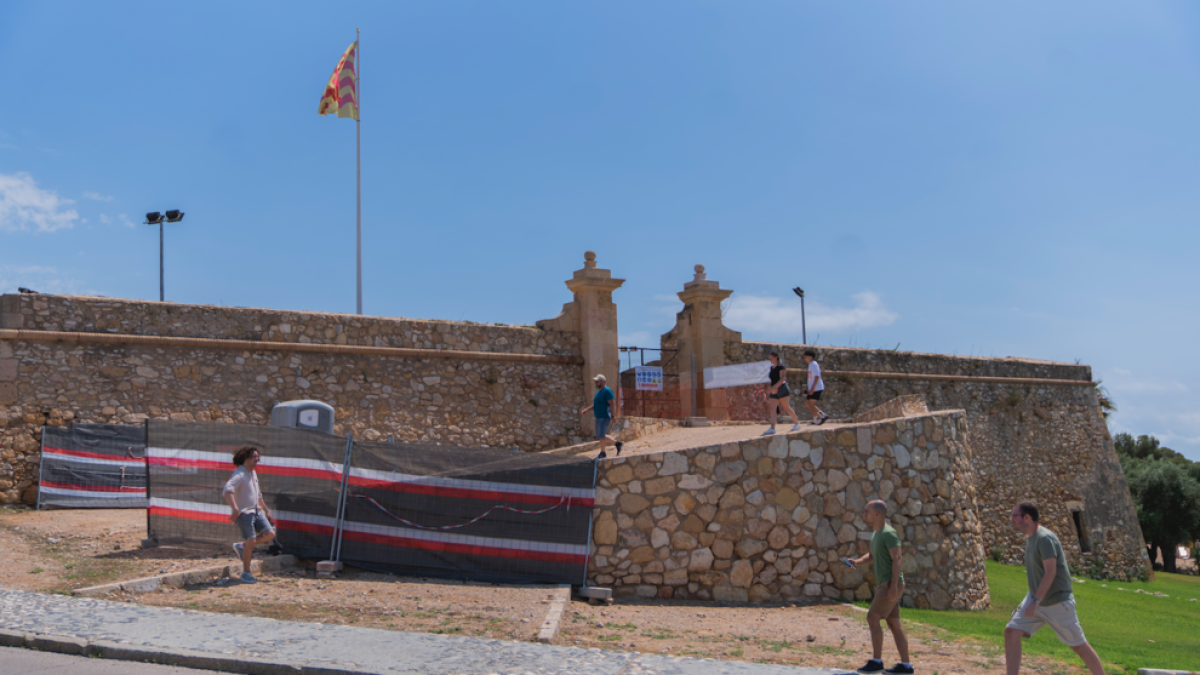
(313, 415)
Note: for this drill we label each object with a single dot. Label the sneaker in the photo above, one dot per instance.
(873, 666)
(768, 432)
(602, 455)
(900, 668)
(823, 420)
(238, 550)
(796, 426)
(620, 444)
(248, 578)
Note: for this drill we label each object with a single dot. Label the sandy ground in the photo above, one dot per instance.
(60, 550)
(683, 438)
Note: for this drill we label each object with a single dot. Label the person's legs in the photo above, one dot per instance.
(772, 409)
(787, 408)
(812, 407)
(265, 533)
(880, 610)
(1012, 650)
(893, 622)
(1090, 658)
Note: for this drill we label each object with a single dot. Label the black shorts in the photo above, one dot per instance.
(814, 396)
(783, 392)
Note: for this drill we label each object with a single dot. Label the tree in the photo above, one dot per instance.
(1107, 405)
(1167, 499)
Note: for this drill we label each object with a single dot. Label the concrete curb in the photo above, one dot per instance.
(61, 644)
(558, 603)
(181, 579)
(1158, 671)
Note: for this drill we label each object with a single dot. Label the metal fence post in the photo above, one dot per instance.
(335, 546)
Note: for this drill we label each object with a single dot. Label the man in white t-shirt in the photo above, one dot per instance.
(816, 385)
(249, 511)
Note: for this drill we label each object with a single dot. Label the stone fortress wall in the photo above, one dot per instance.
(1036, 434)
(1035, 427)
(769, 519)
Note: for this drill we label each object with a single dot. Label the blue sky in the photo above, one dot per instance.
(1006, 179)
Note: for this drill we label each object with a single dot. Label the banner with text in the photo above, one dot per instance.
(738, 375)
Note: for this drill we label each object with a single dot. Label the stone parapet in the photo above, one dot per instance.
(769, 519)
(79, 314)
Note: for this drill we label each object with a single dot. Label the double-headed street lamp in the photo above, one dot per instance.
(803, 330)
(156, 218)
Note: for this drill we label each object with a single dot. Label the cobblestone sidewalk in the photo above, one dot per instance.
(346, 648)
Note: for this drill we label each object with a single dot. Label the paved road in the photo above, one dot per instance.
(17, 661)
(365, 650)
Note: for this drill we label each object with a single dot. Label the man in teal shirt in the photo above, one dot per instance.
(1050, 600)
(886, 556)
(603, 414)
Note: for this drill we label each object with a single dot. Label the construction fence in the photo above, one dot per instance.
(487, 515)
(100, 466)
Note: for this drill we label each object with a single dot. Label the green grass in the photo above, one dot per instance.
(1120, 625)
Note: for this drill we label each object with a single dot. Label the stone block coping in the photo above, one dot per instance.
(181, 579)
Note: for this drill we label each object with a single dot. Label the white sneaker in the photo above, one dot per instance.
(238, 549)
(796, 426)
(768, 432)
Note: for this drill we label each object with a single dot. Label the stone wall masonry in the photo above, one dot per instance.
(531, 406)
(769, 519)
(1044, 442)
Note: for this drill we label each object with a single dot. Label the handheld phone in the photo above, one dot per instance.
(848, 563)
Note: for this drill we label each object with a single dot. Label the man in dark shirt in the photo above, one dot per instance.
(1050, 601)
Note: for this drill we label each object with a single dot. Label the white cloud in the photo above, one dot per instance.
(769, 316)
(24, 206)
(96, 196)
(126, 221)
(105, 219)
(41, 279)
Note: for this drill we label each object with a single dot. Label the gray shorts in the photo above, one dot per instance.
(1061, 618)
(253, 524)
(602, 426)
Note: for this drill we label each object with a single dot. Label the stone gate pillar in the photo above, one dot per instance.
(593, 315)
(700, 337)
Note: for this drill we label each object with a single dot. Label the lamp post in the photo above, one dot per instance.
(156, 218)
(803, 329)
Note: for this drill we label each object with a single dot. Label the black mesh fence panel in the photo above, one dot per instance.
(100, 466)
(487, 515)
(299, 474)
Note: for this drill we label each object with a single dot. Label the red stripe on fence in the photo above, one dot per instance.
(189, 463)
(94, 488)
(466, 493)
(388, 540)
(189, 515)
(90, 455)
(493, 551)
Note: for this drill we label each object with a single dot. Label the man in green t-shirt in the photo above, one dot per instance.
(886, 556)
(1050, 601)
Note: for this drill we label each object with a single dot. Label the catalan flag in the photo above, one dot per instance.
(341, 94)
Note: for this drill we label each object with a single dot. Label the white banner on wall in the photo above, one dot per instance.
(738, 375)
(649, 378)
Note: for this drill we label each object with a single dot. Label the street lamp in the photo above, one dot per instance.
(156, 218)
(803, 329)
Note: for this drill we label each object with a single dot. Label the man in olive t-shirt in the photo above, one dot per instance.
(1050, 601)
(886, 556)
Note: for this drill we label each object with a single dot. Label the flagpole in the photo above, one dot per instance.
(358, 152)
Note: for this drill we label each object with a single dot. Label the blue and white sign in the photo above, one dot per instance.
(649, 378)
